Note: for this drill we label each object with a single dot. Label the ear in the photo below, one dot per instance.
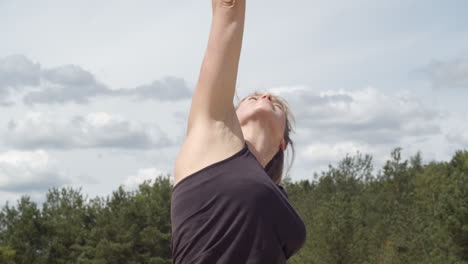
(283, 145)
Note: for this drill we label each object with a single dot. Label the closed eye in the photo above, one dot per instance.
(274, 105)
(280, 107)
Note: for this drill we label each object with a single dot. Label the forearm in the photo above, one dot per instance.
(217, 80)
(224, 47)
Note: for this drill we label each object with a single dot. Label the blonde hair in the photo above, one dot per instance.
(275, 167)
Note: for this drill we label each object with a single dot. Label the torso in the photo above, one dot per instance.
(232, 212)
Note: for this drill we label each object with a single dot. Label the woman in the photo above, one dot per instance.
(226, 205)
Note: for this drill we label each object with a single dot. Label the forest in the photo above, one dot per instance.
(405, 212)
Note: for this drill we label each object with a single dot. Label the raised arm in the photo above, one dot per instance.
(214, 92)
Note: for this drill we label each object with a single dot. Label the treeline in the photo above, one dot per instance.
(407, 212)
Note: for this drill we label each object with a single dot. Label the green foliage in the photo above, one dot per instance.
(455, 203)
(408, 212)
(7, 255)
(22, 230)
(127, 227)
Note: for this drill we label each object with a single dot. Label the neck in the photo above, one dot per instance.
(260, 142)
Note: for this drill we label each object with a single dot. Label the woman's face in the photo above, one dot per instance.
(265, 108)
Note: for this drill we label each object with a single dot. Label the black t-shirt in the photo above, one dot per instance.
(232, 212)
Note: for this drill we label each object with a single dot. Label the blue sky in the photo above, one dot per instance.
(96, 94)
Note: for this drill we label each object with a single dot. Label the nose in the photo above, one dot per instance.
(266, 96)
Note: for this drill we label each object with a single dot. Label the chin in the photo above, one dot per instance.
(263, 111)
(262, 118)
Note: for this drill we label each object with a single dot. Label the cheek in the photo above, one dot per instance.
(241, 110)
(281, 118)
(282, 122)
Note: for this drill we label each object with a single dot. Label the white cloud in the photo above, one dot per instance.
(448, 74)
(167, 89)
(147, 174)
(24, 171)
(321, 152)
(318, 156)
(333, 123)
(322, 50)
(458, 136)
(365, 115)
(95, 130)
(67, 83)
(457, 133)
(73, 84)
(16, 73)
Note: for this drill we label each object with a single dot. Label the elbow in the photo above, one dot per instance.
(229, 7)
(226, 3)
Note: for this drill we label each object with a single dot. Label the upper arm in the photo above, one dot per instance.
(213, 123)
(214, 93)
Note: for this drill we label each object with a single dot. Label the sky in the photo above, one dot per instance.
(96, 94)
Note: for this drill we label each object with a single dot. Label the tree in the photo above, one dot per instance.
(67, 224)
(7, 255)
(22, 231)
(455, 202)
